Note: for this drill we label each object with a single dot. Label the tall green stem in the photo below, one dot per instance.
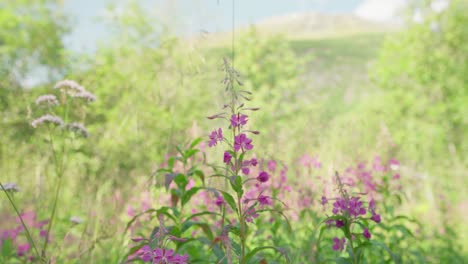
(28, 234)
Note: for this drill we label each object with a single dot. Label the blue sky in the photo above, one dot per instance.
(195, 15)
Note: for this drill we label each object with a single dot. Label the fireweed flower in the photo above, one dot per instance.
(250, 214)
(263, 176)
(271, 165)
(23, 249)
(324, 200)
(375, 217)
(219, 201)
(227, 157)
(242, 142)
(238, 120)
(366, 233)
(264, 200)
(339, 223)
(47, 119)
(215, 137)
(356, 207)
(167, 256)
(47, 99)
(394, 164)
(338, 244)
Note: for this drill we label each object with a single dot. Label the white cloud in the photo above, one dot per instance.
(379, 10)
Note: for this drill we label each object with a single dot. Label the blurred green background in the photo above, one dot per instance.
(333, 85)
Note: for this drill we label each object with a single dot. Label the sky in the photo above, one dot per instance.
(194, 16)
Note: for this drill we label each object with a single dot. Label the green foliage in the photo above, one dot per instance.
(425, 71)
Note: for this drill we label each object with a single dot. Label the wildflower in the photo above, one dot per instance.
(47, 99)
(219, 201)
(238, 120)
(339, 206)
(242, 142)
(263, 176)
(271, 165)
(227, 157)
(43, 233)
(23, 249)
(366, 233)
(338, 244)
(167, 256)
(78, 129)
(339, 223)
(324, 200)
(245, 170)
(215, 137)
(356, 208)
(85, 95)
(47, 119)
(394, 164)
(253, 162)
(377, 164)
(396, 176)
(376, 218)
(76, 220)
(264, 200)
(70, 86)
(11, 187)
(250, 214)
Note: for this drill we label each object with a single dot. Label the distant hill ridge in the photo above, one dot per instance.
(304, 26)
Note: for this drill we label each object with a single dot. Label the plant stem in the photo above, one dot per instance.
(28, 234)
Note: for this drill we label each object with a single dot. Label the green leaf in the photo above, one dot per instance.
(181, 181)
(277, 249)
(200, 214)
(188, 195)
(236, 184)
(7, 247)
(230, 200)
(195, 142)
(204, 226)
(170, 163)
(396, 258)
(341, 260)
(190, 153)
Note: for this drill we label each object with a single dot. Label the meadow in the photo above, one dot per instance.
(347, 148)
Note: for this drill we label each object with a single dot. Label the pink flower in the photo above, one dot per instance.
(376, 218)
(263, 176)
(339, 223)
(227, 157)
(250, 215)
(238, 120)
(366, 233)
(324, 200)
(338, 244)
(271, 165)
(253, 162)
(355, 207)
(394, 164)
(396, 176)
(242, 142)
(245, 170)
(264, 200)
(23, 249)
(215, 137)
(219, 201)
